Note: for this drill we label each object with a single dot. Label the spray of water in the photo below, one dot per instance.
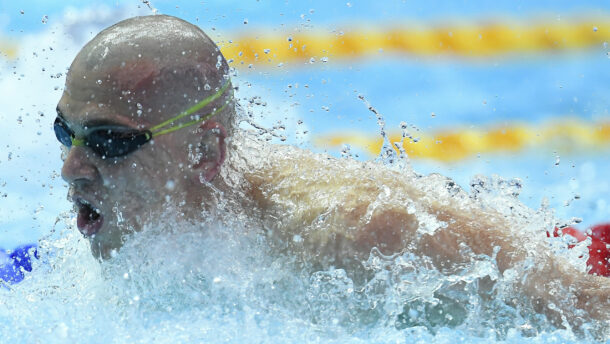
(232, 280)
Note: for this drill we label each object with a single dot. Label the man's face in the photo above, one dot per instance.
(116, 196)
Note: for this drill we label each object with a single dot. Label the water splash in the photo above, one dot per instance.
(150, 6)
(230, 282)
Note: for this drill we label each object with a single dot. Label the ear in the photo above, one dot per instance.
(212, 149)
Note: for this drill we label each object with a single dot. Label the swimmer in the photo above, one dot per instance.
(147, 121)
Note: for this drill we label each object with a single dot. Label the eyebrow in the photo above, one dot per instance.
(96, 122)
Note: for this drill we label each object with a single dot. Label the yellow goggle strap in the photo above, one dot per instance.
(158, 129)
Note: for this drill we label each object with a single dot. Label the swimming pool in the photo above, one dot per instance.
(227, 290)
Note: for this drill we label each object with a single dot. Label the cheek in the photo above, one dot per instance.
(155, 179)
(130, 176)
(149, 176)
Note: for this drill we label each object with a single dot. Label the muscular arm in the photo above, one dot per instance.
(551, 284)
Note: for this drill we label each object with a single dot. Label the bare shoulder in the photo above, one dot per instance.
(301, 180)
(350, 204)
(358, 205)
(306, 181)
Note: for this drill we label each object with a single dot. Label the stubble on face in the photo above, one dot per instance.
(130, 191)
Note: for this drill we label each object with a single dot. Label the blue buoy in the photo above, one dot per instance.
(15, 263)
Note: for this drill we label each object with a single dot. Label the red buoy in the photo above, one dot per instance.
(599, 250)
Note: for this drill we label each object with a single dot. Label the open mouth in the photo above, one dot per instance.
(89, 219)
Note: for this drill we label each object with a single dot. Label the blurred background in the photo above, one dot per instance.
(512, 88)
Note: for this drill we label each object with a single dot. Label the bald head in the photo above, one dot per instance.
(135, 85)
(162, 63)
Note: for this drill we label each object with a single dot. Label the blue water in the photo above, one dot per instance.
(72, 297)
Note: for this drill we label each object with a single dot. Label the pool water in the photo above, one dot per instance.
(225, 282)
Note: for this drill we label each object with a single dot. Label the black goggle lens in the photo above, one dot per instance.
(62, 132)
(112, 143)
(105, 142)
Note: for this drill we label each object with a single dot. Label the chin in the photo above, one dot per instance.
(103, 245)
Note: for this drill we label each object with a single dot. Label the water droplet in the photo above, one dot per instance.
(595, 29)
(99, 82)
(45, 19)
(312, 60)
(245, 20)
(324, 59)
(207, 87)
(349, 4)
(266, 51)
(22, 11)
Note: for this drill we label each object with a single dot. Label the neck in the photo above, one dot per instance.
(220, 199)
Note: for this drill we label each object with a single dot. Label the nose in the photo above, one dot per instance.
(79, 167)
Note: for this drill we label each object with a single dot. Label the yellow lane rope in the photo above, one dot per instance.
(467, 40)
(8, 50)
(475, 40)
(563, 136)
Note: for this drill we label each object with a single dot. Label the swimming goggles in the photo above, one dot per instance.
(111, 141)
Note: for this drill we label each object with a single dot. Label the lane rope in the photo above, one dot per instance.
(564, 136)
(8, 49)
(482, 39)
(467, 40)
